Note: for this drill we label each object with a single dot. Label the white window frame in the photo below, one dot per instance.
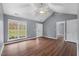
(25, 23)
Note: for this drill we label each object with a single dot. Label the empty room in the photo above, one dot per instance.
(38, 29)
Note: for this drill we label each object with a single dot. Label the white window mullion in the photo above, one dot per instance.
(18, 30)
(25, 30)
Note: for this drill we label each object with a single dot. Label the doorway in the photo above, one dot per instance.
(39, 30)
(60, 29)
(72, 31)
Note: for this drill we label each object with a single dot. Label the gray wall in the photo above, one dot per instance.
(1, 27)
(50, 24)
(78, 23)
(5, 29)
(78, 31)
(31, 27)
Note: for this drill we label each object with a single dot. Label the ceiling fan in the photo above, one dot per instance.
(42, 9)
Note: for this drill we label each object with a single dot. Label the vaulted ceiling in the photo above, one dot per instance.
(28, 10)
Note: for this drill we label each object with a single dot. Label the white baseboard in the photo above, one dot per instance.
(51, 37)
(71, 41)
(18, 40)
(1, 49)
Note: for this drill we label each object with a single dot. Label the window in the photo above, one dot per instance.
(22, 30)
(39, 30)
(16, 29)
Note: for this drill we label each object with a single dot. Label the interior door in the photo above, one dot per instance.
(72, 30)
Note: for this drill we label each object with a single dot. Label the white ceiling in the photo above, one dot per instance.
(27, 10)
(68, 8)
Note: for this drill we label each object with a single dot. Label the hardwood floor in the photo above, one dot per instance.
(41, 47)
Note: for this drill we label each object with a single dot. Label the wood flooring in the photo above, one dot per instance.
(41, 47)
